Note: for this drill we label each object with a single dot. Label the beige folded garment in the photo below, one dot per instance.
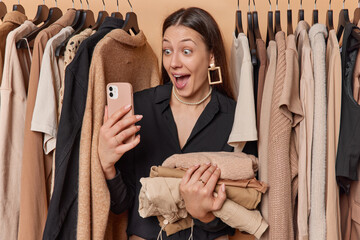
(179, 173)
(234, 166)
(161, 196)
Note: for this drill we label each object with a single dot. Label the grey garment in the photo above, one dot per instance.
(317, 221)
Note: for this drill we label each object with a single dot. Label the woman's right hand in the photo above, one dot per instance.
(112, 136)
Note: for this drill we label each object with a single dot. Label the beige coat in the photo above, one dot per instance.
(333, 70)
(305, 128)
(317, 222)
(286, 113)
(36, 166)
(264, 126)
(13, 106)
(161, 196)
(117, 57)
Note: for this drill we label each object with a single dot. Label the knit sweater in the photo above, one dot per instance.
(286, 113)
(117, 57)
(317, 222)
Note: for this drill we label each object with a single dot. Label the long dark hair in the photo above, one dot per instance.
(202, 22)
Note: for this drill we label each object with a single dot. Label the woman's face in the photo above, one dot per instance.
(186, 60)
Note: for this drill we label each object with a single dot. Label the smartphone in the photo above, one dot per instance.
(118, 95)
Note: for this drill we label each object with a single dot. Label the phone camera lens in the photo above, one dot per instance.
(111, 94)
(110, 88)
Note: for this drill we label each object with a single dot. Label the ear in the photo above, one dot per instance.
(212, 58)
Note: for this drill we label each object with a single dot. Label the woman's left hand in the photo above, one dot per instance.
(197, 188)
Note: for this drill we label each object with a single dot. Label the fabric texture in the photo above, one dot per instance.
(234, 166)
(64, 201)
(244, 127)
(347, 159)
(13, 106)
(45, 114)
(106, 67)
(333, 70)
(179, 173)
(264, 127)
(161, 196)
(285, 115)
(10, 21)
(36, 168)
(74, 43)
(305, 128)
(262, 56)
(317, 220)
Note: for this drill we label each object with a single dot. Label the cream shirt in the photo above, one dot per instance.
(244, 126)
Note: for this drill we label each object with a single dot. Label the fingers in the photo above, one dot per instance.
(117, 116)
(219, 198)
(211, 183)
(124, 124)
(207, 174)
(123, 148)
(188, 174)
(125, 134)
(198, 173)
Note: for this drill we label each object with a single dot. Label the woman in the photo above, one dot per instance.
(184, 115)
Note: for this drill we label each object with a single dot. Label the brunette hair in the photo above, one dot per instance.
(202, 22)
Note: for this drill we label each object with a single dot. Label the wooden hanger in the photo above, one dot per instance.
(131, 22)
(315, 17)
(255, 21)
(343, 20)
(101, 17)
(86, 20)
(357, 14)
(117, 14)
(18, 7)
(301, 15)
(3, 10)
(289, 20)
(54, 14)
(329, 18)
(41, 14)
(270, 27)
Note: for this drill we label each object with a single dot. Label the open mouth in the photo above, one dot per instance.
(181, 80)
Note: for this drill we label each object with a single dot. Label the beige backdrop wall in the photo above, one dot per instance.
(152, 13)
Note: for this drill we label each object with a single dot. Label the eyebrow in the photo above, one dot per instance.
(183, 40)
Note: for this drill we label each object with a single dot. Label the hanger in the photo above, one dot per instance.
(301, 15)
(54, 14)
(270, 26)
(357, 14)
(289, 20)
(41, 14)
(101, 17)
(3, 10)
(238, 21)
(256, 23)
(86, 20)
(315, 18)
(18, 7)
(117, 14)
(329, 18)
(277, 19)
(343, 20)
(131, 21)
(250, 35)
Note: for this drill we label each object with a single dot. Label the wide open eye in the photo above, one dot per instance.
(167, 51)
(187, 51)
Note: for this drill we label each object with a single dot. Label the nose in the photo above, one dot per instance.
(175, 60)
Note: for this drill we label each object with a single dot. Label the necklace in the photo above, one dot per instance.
(190, 103)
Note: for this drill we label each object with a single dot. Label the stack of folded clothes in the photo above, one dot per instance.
(160, 194)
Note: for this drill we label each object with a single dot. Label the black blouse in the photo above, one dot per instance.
(159, 140)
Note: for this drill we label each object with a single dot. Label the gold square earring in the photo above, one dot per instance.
(213, 68)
